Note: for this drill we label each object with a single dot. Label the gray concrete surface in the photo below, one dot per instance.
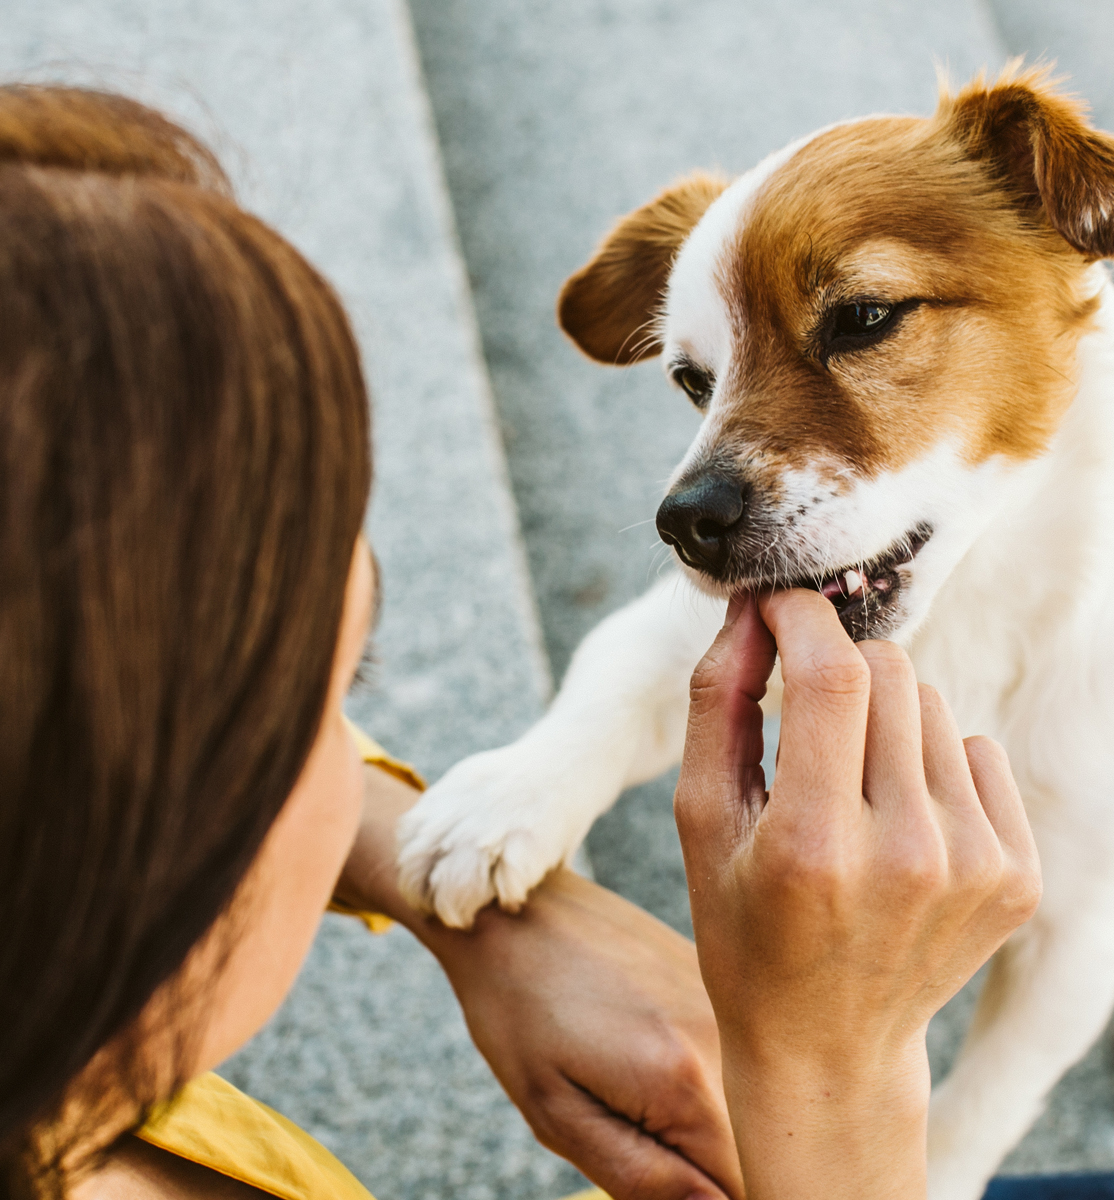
(1076, 36)
(555, 119)
(319, 112)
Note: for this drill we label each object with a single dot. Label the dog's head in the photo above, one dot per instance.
(879, 324)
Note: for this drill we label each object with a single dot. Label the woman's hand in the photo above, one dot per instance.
(593, 1016)
(890, 860)
(591, 1013)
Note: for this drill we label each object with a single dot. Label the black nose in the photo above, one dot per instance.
(698, 518)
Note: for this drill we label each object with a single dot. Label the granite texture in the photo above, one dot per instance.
(319, 112)
(1074, 36)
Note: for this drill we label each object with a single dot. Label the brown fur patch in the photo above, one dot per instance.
(901, 210)
(611, 305)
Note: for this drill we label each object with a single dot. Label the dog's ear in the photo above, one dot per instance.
(1039, 142)
(611, 305)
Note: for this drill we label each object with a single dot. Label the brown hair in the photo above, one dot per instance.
(184, 466)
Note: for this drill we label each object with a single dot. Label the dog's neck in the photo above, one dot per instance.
(1043, 569)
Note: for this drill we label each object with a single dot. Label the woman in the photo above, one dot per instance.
(184, 468)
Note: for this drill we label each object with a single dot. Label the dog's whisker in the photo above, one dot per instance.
(650, 329)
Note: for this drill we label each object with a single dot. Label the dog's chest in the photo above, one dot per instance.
(973, 659)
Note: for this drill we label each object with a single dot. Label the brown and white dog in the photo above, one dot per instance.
(902, 341)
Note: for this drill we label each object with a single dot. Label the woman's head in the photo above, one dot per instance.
(184, 464)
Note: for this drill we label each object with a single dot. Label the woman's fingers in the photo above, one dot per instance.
(824, 706)
(1001, 801)
(729, 682)
(621, 1157)
(972, 782)
(893, 770)
(946, 770)
(723, 744)
(672, 1091)
(993, 782)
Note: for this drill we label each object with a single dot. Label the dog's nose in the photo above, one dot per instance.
(698, 518)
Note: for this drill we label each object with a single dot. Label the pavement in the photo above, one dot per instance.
(447, 164)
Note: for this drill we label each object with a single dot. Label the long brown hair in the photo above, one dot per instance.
(184, 465)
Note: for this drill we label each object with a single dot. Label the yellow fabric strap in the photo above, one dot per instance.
(376, 756)
(214, 1124)
(375, 922)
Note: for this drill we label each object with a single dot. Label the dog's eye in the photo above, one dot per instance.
(861, 319)
(695, 384)
(851, 327)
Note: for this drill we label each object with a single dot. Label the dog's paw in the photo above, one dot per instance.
(491, 829)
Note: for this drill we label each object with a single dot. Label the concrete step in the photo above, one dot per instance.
(555, 119)
(319, 112)
(1075, 35)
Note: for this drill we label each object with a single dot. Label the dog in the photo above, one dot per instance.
(900, 334)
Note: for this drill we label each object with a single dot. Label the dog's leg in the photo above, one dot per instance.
(500, 820)
(1048, 995)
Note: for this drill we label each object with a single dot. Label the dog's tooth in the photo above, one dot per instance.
(854, 582)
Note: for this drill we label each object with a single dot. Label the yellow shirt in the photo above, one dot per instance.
(212, 1123)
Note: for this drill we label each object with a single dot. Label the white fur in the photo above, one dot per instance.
(1021, 642)
(1008, 613)
(695, 320)
(498, 821)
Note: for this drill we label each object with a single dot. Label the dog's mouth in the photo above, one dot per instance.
(866, 595)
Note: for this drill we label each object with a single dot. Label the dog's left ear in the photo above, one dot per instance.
(1042, 146)
(611, 305)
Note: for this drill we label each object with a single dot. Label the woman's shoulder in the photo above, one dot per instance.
(137, 1170)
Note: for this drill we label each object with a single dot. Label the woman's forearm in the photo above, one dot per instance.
(369, 880)
(804, 1131)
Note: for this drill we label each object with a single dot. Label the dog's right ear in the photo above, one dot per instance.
(1040, 143)
(611, 305)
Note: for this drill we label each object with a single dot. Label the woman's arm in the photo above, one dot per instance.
(832, 919)
(590, 1012)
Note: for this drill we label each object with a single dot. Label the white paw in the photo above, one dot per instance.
(492, 828)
